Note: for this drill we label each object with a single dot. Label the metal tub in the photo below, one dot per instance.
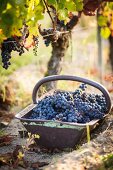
(57, 134)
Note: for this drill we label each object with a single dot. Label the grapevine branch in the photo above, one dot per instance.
(73, 21)
(63, 32)
(51, 35)
(48, 12)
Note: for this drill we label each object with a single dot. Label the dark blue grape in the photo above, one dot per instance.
(7, 46)
(71, 107)
(47, 42)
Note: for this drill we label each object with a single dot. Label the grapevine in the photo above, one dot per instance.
(19, 20)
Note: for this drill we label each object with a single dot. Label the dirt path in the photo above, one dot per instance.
(32, 155)
(89, 156)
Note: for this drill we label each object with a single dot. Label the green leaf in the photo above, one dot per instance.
(71, 6)
(79, 6)
(38, 16)
(102, 21)
(77, 1)
(52, 2)
(60, 6)
(105, 32)
(8, 17)
(62, 14)
(110, 5)
(3, 5)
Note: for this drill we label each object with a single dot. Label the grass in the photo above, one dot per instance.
(17, 62)
(2, 133)
(88, 134)
(108, 161)
(27, 58)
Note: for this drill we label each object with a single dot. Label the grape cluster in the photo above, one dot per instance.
(51, 35)
(36, 41)
(48, 36)
(77, 106)
(47, 42)
(61, 25)
(9, 45)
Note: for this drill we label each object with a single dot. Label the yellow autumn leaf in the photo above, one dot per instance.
(111, 26)
(20, 155)
(1, 31)
(37, 136)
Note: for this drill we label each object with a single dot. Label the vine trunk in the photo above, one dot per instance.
(111, 50)
(59, 50)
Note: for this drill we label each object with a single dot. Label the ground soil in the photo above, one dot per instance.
(84, 156)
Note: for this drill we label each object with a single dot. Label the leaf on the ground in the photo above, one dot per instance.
(39, 164)
(16, 151)
(3, 124)
(13, 159)
(5, 140)
(5, 118)
(35, 165)
(21, 163)
(10, 159)
(5, 159)
(18, 157)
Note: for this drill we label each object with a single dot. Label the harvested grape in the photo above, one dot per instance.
(77, 106)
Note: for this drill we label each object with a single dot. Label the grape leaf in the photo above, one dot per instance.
(71, 6)
(8, 17)
(102, 20)
(52, 2)
(79, 6)
(105, 32)
(63, 13)
(3, 5)
(14, 12)
(110, 5)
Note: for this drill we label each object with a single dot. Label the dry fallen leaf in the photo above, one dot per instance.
(5, 140)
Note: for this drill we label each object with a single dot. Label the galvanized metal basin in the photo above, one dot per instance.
(57, 134)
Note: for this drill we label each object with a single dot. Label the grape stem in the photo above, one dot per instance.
(49, 13)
